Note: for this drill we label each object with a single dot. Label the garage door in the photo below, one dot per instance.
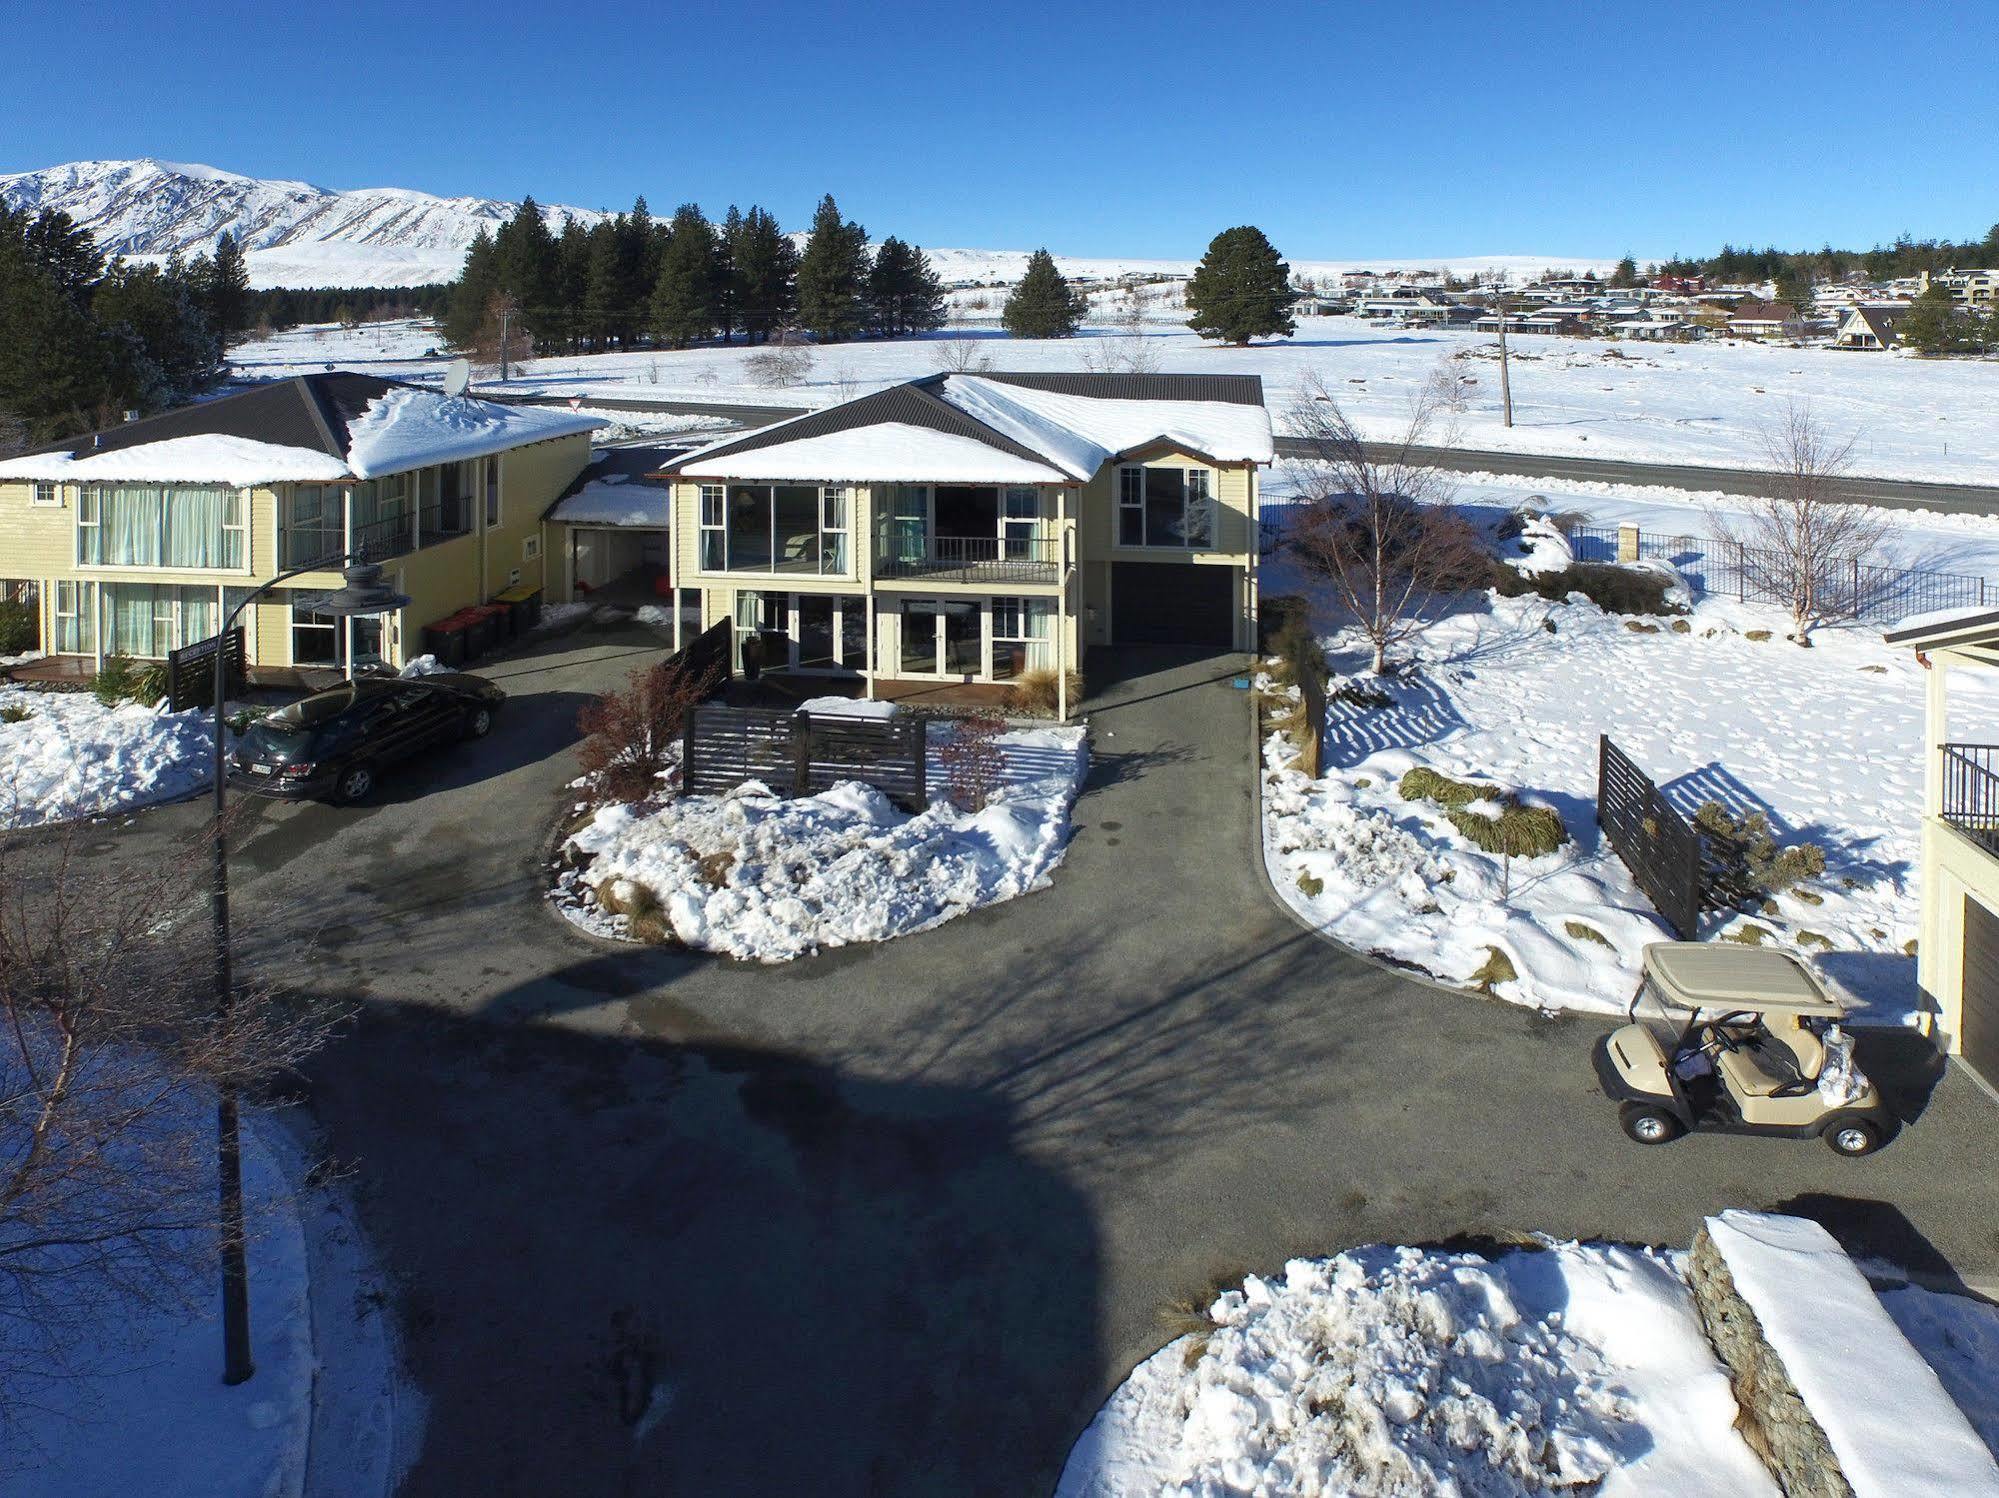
(1169, 603)
(1978, 1026)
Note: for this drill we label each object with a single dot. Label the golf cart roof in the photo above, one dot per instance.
(1710, 975)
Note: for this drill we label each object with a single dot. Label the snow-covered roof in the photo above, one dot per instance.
(886, 452)
(615, 499)
(320, 427)
(1000, 428)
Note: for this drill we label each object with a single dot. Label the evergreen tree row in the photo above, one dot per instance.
(633, 280)
(1905, 257)
(88, 338)
(279, 307)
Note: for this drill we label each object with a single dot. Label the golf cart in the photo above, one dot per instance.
(1737, 1040)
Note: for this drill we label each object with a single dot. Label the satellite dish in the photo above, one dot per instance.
(457, 376)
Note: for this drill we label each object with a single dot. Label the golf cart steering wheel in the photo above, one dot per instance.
(1719, 1029)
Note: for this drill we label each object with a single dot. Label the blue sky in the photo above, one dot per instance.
(1094, 129)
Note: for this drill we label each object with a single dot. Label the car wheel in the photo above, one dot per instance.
(1852, 1137)
(353, 784)
(479, 722)
(1648, 1125)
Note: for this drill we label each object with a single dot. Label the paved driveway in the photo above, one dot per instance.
(895, 1219)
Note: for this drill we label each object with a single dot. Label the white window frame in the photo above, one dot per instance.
(46, 495)
(295, 621)
(81, 615)
(711, 515)
(836, 504)
(90, 517)
(1033, 624)
(1197, 492)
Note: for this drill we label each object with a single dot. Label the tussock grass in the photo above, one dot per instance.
(1034, 692)
(1517, 831)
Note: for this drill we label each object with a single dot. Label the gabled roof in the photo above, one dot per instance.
(1960, 628)
(317, 427)
(1018, 428)
(1880, 321)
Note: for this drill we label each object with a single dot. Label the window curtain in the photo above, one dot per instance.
(128, 619)
(193, 532)
(143, 525)
(129, 527)
(1039, 621)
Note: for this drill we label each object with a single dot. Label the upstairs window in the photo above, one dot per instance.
(1165, 507)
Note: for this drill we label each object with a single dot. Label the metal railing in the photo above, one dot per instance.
(302, 545)
(972, 559)
(379, 540)
(1971, 792)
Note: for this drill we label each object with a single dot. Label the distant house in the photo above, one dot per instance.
(1765, 320)
(1870, 327)
(142, 537)
(1548, 320)
(1968, 288)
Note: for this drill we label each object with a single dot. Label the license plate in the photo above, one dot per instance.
(262, 769)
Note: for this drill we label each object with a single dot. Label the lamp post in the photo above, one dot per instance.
(361, 592)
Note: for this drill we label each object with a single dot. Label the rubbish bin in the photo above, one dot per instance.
(446, 639)
(525, 604)
(502, 616)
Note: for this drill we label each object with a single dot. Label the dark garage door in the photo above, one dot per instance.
(1978, 1026)
(1173, 603)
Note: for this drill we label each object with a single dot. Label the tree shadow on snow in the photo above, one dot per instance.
(1846, 855)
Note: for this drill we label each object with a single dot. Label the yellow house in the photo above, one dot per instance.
(969, 528)
(1957, 962)
(140, 538)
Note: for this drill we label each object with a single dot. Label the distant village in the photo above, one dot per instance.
(1853, 314)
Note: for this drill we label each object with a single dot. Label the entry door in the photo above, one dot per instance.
(832, 632)
(943, 637)
(1978, 1008)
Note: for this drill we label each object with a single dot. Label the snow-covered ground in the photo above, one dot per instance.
(755, 876)
(71, 756)
(1399, 1371)
(1827, 742)
(1700, 403)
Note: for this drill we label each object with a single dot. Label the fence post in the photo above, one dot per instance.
(687, 737)
(919, 735)
(1627, 542)
(801, 753)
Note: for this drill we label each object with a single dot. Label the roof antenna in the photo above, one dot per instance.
(457, 377)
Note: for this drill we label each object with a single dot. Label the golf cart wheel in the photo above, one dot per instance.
(1852, 1137)
(1648, 1125)
(479, 722)
(354, 784)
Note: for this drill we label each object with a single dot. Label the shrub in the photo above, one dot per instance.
(16, 712)
(20, 630)
(1498, 969)
(1426, 784)
(1488, 817)
(1615, 590)
(150, 684)
(629, 734)
(973, 762)
(1746, 863)
(1582, 932)
(116, 681)
(1033, 692)
(1311, 886)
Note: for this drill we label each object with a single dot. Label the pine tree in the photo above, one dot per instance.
(228, 287)
(572, 273)
(529, 270)
(1933, 325)
(473, 293)
(683, 302)
(54, 360)
(728, 289)
(904, 294)
(1241, 289)
(603, 283)
(1043, 305)
(832, 275)
(1626, 273)
(766, 267)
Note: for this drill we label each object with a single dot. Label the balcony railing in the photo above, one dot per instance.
(378, 541)
(1971, 792)
(971, 559)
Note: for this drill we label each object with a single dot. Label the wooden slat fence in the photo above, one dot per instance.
(1658, 845)
(799, 754)
(191, 670)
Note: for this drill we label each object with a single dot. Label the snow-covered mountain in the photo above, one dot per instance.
(294, 234)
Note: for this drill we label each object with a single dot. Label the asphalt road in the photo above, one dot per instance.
(895, 1219)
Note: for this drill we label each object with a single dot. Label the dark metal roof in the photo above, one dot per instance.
(917, 404)
(914, 404)
(1963, 629)
(308, 411)
(1234, 390)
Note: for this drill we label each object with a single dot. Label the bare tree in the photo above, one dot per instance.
(1126, 349)
(964, 356)
(1378, 523)
(785, 360)
(110, 1046)
(1801, 545)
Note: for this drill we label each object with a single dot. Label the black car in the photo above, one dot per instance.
(334, 743)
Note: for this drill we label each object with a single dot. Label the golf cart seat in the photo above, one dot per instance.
(1784, 1058)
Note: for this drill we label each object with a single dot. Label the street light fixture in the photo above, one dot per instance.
(361, 592)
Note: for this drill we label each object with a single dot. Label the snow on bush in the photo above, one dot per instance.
(753, 875)
(1400, 1371)
(71, 756)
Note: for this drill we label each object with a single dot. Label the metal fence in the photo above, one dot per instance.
(1721, 568)
(1658, 845)
(798, 754)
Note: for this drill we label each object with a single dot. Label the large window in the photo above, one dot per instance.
(776, 528)
(75, 619)
(1023, 636)
(150, 619)
(148, 525)
(325, 639)
(1165, 507)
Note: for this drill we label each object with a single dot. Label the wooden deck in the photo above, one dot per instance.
(778, 688)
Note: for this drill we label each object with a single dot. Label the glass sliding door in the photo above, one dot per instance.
(943, 637)
(964, 639)
(816, 640)
(920, 621)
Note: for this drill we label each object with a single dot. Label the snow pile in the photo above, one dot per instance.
(1826, 743)
(1959, 1338)
(614, 500)
(847, 707)
(1401, 1371)
(407, 428)
(1546, 548)
(74, 757)
(1891, 1424)
(753, 875)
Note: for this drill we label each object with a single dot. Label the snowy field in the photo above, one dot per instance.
(754, 876)
(71, 756)
(1827, 742)
(1670, 403)
(1399, 1371)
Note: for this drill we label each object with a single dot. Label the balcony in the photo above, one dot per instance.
(1971, 792)
(378, 541)
(994, 561)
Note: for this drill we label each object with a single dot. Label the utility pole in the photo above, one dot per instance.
(1505, 380)
(507, 317)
